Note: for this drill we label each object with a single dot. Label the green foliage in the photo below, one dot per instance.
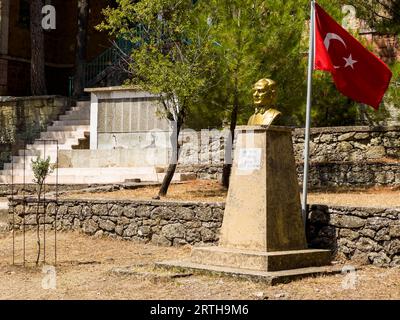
(41, 170)
(173, 56)
(255, 39)
(329, 106)
(203, 59)
(383, 16)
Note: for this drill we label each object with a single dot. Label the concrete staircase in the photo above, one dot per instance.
(70, 130)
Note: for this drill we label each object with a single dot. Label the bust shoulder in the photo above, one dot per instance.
(270, 115)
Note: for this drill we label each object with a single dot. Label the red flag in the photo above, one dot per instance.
(357, 73)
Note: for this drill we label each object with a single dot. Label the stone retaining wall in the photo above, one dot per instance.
(368, 235)
(356, 144)
(340, 156)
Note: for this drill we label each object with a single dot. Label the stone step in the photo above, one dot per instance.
(51, 145)
(58, 135)
(83, 104)
(35, 152)
(93, 171)
(21, 165)
(51, 150)
(69, 128)
(80, 115)
(72, 122)
(100, 178)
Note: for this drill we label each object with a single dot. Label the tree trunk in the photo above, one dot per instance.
(38, 224)
(38, 76)
(81, 45)
(174, 159)
(227, 168)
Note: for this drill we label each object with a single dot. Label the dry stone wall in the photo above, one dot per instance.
(340, 156)
(366, 235)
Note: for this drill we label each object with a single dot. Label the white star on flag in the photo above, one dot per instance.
(350, 62)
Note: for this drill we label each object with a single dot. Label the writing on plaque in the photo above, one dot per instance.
(249, 159)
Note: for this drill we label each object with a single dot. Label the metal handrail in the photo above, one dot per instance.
(106, 59)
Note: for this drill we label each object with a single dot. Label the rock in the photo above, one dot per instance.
(395, 262)
(382, 235)
(377, 223)
(131, 230)
(90, 227)
(75, 210)
(344, 147)
(368, 233)
(100, 209)
(366, 245)
(86, 212)
(144, 231)
(346, 136)
(160, 240)
(394, 231)
(207, 235)
(379, 259)
(179, 242)
(394, 247)
(260, 295)
(119, 230)
(360, 258)
(76, 224)
(375, 152)
(349, 234)
(217, 214)
(163, 213)
(204, 214)
(123, 221)
(193, 236)
(361, 136)
(107, 225)
(343, 221)
(143, 211)
(326, 138)
(172, 231)
(184, 213)
(129, 211)
(99, 234)
(116, 211)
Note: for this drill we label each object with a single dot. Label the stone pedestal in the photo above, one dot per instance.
(262, 232)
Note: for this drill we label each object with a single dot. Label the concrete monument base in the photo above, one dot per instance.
(270, 278)
(262, 234)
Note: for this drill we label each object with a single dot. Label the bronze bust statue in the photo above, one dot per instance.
(264, 97)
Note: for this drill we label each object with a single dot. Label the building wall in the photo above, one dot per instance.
(59, 46)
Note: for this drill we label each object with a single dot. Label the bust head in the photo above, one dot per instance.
(264, 93)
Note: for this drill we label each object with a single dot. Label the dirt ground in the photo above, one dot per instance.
(103, 268)
(211, 191)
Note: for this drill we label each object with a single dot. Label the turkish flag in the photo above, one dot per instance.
(357, 73)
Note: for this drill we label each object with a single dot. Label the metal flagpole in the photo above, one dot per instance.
(311, 52)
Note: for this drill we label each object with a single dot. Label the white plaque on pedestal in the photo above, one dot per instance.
(249, 159)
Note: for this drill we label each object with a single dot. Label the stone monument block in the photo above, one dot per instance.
(262, 235)
(263, 210)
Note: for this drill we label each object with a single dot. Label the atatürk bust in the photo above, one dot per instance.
(264, 97)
